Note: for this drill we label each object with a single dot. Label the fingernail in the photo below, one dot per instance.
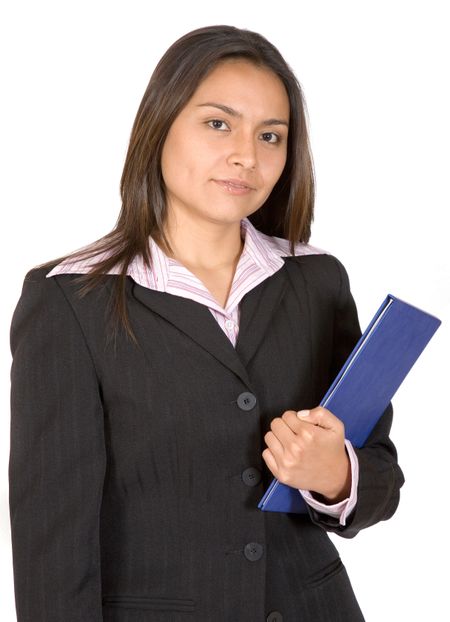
(303, 413)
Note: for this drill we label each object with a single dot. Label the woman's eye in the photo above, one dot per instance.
(217, 124)
(270, 137)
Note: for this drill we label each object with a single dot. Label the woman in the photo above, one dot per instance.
(152, 406)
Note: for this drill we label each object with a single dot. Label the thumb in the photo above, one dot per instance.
(319, 416)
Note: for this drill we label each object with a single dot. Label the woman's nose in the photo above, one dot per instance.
(243, 152)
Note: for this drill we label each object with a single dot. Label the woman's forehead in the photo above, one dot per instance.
(239, 82)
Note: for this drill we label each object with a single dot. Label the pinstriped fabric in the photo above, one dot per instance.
(261, 257)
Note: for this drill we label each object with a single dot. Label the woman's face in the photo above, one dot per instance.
(227, 148)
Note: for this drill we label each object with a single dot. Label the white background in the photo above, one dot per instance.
(375, 77)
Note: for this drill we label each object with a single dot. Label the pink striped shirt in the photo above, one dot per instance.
(260, 258)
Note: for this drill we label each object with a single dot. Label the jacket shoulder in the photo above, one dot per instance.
(323, 272)
(42, 306)
(40, 292)
(37, 287)
(37, 273)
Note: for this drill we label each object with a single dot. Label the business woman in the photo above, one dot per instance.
(165, 373)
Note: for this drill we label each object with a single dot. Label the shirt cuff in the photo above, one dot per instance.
(344, 508)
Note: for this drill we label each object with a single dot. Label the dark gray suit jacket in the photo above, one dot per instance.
(135, 472)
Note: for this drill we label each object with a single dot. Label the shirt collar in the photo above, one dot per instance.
(262, 256)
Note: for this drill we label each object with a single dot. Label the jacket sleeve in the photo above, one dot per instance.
(380, 477)
(57, 460)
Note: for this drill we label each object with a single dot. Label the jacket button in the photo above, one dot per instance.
(274, 616)
(253, 551)
(251, 476)
(246, 401)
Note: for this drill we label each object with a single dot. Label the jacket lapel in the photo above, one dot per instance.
(258, 307)
(196, 321)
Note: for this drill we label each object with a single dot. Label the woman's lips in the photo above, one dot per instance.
(234, 186)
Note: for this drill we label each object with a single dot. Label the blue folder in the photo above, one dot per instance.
(361, 392)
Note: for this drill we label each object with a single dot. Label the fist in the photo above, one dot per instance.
(306, 450)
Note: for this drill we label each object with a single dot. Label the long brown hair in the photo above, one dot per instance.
(286, 213)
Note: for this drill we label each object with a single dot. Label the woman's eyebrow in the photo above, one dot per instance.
(235, 113)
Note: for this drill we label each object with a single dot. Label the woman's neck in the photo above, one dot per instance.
(204, 247)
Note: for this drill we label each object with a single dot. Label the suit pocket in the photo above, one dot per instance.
(152, 603)
(326, 573)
